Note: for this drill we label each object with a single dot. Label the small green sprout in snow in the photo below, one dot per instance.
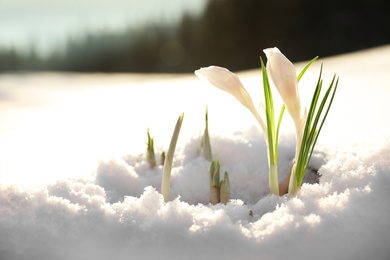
(162, 158)
(206, 140)
(214, 182)
(150, 155)
(225, 189)
(166, 180)
(219, 190)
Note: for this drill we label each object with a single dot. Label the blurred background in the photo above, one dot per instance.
(179, 36)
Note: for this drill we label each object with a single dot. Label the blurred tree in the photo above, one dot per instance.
(230, 33)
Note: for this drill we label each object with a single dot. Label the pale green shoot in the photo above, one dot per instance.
(206, 140)
(219, 190)
(162, 158)
(225, 189)
(214, 182)
(166, 180)
(150, 155)
(214, 173)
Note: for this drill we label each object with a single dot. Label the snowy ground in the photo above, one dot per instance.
(76, 185)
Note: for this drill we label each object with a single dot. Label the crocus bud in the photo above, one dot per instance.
(229, 82)
(283, 75)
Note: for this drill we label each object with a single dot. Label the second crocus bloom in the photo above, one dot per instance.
(283, 74)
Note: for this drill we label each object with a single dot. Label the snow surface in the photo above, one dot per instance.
(76, 184)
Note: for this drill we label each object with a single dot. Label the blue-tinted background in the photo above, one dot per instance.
(181, 35)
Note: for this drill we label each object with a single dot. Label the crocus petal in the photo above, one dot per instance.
(284, 76)
(229, 82)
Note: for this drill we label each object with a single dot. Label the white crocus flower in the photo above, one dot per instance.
(284, 76)
(229, 82)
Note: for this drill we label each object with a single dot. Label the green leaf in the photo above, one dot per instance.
(277, 132)
(319, 112)
(166, 180)
(311, 132)
(269, 115)
(305, 68)
(323, 120)
(272, 148)
(304, 146)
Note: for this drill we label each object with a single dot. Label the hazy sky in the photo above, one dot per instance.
(48, 23)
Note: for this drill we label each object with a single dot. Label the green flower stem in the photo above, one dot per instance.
(293, 186)
(273, 179)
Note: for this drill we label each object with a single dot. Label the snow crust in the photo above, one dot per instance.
(344, 216)
(117, 212)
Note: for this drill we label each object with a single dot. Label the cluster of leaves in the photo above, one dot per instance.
(312, 130)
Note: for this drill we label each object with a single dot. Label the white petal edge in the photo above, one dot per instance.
(227, 81)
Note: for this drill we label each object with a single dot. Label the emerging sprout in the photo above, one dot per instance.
(206, 140)
(214, 182)
(162, 158)
(166, 180)
(150, 155)
(225, 189)
(219, 190)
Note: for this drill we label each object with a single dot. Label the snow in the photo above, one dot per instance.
(76, 184)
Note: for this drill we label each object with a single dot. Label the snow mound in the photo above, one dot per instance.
(119, 214)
